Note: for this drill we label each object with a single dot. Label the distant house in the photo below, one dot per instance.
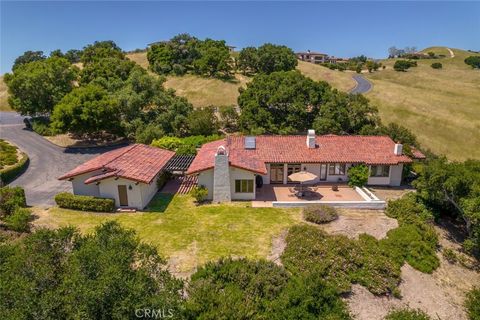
(313, 57)
(229, 168)
(128, 175)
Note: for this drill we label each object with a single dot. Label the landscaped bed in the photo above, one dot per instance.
(12, 161)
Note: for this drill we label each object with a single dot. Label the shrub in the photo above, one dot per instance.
(200, 193)
(8, 154)
(472, 303)
(18, 220)
(408, 209)
(358, 175)
(318, 213)
(401, 65)
(84, 203)
(407, 314)
(340, 260)
(163, 179)
(10, 199)
(187, 145)
(473, 61)
(9, 174)
(436, 65)
(41, 125)
(450, 255)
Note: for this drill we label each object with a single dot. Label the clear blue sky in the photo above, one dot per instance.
(337, 28)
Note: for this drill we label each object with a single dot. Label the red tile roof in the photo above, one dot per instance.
(417, 154)
(293, 149)
(136, 162)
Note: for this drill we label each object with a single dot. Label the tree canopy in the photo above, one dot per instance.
(108, 274)
(27, 57)
(473, 61)
(86, 110)
(101, 49)
(267, 58)
(37, 86)
(288, 102)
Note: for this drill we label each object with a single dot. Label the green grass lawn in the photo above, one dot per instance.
(440, 106)
(190, 235)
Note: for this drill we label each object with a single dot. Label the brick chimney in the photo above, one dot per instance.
(221, 177)
(311, 139)
(398, 149)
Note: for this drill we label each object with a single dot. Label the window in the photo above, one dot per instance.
(293, 168)
(336, 169)
(243, 186)
(379, 171)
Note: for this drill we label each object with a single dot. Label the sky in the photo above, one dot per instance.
(342, 29)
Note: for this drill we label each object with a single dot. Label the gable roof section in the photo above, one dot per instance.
(136, 162)
(293, 149)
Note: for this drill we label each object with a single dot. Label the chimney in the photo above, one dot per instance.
(221, 177)
(311, 139)
(398, 150)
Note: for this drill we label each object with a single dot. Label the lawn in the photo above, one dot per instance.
(187, 234)
(440, 106)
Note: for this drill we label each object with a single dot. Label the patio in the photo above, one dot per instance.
(282, 195)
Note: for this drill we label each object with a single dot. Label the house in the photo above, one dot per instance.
(313, 57)
(128, 175)
(229, 168)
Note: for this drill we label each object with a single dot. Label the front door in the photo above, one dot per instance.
(276, 173)
(122, 195)
(323, 171)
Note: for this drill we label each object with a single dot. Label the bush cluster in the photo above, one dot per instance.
(244, 289)
(472, 303)
(10, 199)
(8, 154)
(200, 193)
(187, 145)
(84, 203)
(436, 65)
(318, 213)
(18, 220)
(358, 175)
(12, 209)
(407, 314)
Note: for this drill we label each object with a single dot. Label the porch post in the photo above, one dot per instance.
(285, 172)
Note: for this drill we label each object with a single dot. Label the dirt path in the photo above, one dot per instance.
(278, 245)
(452, 54)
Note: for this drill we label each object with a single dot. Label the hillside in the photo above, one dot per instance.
(440, 106)
(207, 91)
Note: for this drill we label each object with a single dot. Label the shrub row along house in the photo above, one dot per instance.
(232, 168)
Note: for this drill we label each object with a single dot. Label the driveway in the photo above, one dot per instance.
(47, 161)
(363, 85)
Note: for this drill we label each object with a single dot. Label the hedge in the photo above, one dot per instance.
(84, 203)
(18, 220)
(9, 174)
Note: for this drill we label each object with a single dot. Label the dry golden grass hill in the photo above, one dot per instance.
(3, 96)
(207, 91)
(442, 107)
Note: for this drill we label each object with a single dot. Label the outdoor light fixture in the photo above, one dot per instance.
(130, 187)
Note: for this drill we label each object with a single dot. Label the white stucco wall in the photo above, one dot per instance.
(239, 174)
(205, 178)
(109, 189)
(82, 189)
(394, 178)
(148, 190)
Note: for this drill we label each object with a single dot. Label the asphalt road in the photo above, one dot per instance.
(47, 161)
(363, 85)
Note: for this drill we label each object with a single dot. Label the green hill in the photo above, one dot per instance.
(440, 106)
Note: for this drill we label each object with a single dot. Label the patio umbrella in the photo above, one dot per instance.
(302, 176)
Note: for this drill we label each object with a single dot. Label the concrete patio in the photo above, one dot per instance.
(282, 196)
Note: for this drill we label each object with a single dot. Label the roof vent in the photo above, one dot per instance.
(250, 143)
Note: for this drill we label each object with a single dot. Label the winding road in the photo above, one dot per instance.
(363, 85)
(47, 161)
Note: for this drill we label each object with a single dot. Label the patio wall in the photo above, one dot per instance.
(379, 205)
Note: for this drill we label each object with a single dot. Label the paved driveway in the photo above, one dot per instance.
(47, 161)
(363, 85)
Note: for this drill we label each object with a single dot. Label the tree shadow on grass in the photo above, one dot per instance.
(159, 202)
